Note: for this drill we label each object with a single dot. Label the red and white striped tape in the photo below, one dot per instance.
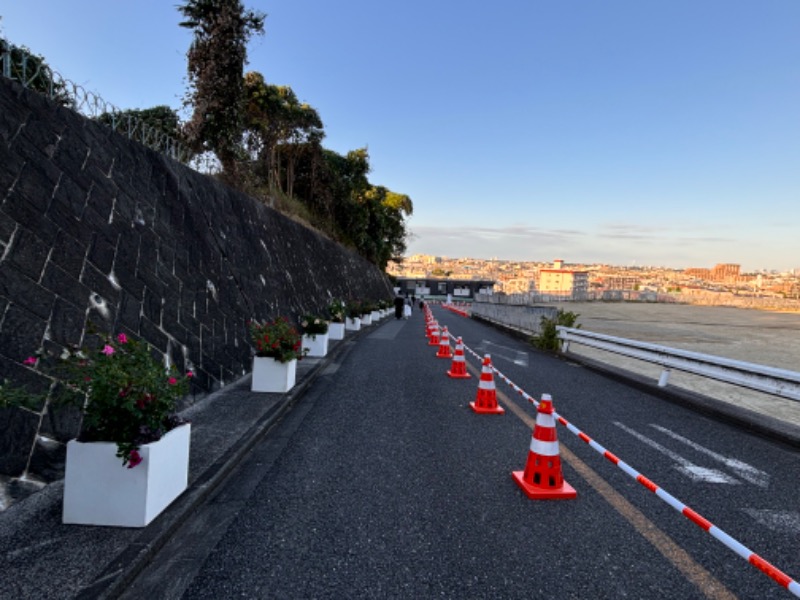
(731, 543)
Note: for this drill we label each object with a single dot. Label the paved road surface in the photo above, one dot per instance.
(382, 483)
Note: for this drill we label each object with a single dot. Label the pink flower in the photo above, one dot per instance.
(134, 459)
(122, 338)
(189, 374)
(172, 381)
(31, 360)
(108, 350)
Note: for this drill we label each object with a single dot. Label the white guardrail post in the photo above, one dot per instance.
(778, 382)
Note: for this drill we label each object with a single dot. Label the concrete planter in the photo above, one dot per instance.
(376, 316)
(352, 324)
(366, 319)
(336, 331)
(270, 375)
(99, 490)
(317, 344)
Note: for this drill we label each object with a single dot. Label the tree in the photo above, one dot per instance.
(216, 60)
(277, 127)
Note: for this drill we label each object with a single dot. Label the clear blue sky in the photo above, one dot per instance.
(646, 132)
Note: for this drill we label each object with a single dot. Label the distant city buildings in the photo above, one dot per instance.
(559, 279)
(726, 272)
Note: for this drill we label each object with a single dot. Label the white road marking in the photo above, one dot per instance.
(783, 521)
(747, 472)
(688, 468)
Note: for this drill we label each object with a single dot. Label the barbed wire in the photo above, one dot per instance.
(19, 65)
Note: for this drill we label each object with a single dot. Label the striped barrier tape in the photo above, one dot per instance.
(731, 543)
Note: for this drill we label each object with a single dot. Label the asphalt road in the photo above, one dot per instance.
(382, 483)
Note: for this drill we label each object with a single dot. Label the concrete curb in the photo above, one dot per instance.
(124, 568)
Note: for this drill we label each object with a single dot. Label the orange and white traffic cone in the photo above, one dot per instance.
(444, 345)
(542, 478)
(433, 339)
(458, 368)
(429, 320)
(486, 400)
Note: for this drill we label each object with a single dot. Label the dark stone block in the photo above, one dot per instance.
(71, 153)
(102, 251)
(22, 333)
(152, 305)
(59, 281)
(7, 228)
(129, 312)
(102, 194)
(61, 422)
(73, 193)
(153, 335)
(67, 323)
(48, 460)
(16, 285)
(169, 310)
(28, 253)
(125, 274)
(69, 254)
(36, 183)
(19, 428)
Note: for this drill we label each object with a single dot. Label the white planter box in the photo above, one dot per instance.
(336, 331)
(366, 319)
(352, 324)
(269, 375)
(317, 344)
(99, 490)
(376, 316)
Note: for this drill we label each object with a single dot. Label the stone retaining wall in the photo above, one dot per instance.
(97, 229)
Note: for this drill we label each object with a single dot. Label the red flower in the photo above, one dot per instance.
(134, 459)
(31, 360)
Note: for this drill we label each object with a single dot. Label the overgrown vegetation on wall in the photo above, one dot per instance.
(265, 142)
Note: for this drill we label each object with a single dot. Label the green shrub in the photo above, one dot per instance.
(548, 338)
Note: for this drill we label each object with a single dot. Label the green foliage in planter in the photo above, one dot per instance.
(337, 311)
(277, 339)
(313, 325)
(126, 395)
(354, 309)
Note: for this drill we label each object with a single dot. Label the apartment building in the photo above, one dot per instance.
(563, 282)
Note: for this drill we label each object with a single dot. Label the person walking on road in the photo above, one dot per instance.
(398, 307)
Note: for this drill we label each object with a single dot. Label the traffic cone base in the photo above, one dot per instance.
(542, 478)
(536, 492)
(486, 399)
(458, 368)
(455, 374)
(444, 345)
(487, 410)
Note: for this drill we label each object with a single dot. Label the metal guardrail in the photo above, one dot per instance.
(778, 382)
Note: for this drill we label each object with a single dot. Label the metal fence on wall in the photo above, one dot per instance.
(19, 65)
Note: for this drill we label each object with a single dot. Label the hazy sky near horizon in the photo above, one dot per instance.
(626, 132)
